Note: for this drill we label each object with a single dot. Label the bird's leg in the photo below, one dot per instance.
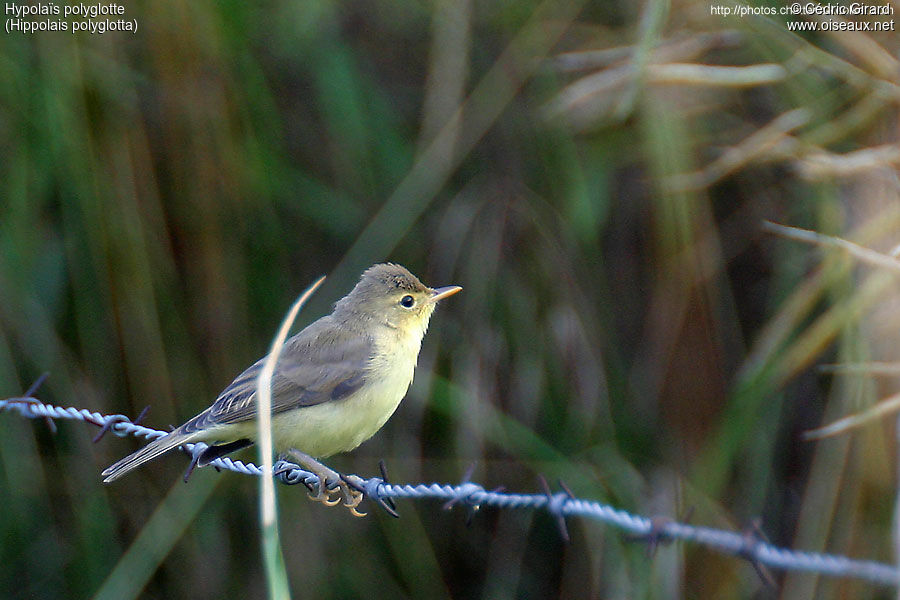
(351, 497)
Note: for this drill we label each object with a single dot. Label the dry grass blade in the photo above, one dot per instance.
(592, 96)
(766, 140)
(668, 51)
(861, 253)
(866, 50)
(714, 75)
(826, 164)
(866, 368)
(887, 406)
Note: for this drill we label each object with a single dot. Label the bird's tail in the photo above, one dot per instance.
(147, 453)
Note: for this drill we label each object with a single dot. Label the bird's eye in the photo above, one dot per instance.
(407, 301)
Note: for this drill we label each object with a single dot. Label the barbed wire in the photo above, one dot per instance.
(748, 545)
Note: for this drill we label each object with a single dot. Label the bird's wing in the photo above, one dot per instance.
(320, 364)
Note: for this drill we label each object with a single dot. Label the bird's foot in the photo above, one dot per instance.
(351, 497)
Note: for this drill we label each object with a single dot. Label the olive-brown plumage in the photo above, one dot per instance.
(336, 383)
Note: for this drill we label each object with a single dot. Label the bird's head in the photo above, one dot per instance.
(389, 294)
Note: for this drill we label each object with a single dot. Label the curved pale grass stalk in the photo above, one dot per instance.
(276, 575)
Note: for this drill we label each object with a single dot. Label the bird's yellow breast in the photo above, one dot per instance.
(341, 425)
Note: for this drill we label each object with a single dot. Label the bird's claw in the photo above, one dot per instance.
(324, 496)
(342, 492)
(352, 498)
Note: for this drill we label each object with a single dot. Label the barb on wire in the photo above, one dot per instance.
(754, 535)
(749, 545)
(555, 505)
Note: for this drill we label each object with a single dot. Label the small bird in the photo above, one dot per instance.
(336, 383)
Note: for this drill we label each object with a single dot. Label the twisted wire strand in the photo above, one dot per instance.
(746, 545)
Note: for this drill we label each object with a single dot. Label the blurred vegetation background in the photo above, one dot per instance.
(589, 174)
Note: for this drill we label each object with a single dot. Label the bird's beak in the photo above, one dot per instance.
(443, 292)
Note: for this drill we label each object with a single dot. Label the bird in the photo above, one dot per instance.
(335, 385)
